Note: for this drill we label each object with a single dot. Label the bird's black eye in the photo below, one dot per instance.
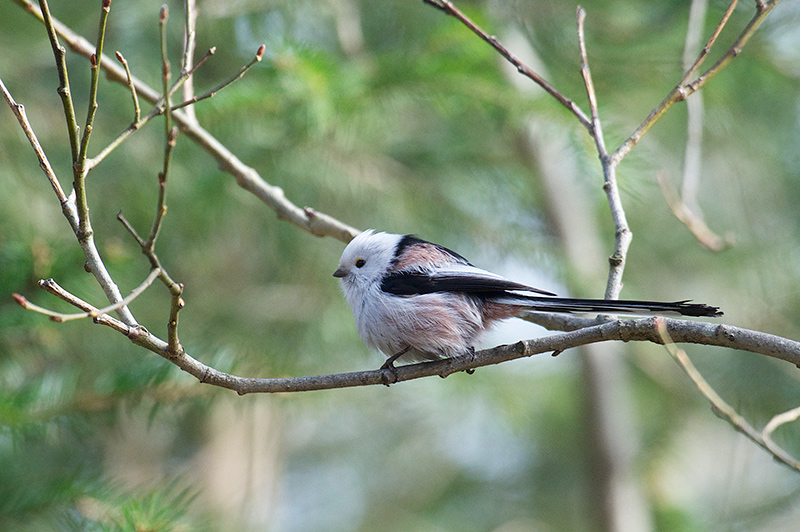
(360, 263)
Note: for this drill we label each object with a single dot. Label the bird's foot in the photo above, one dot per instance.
(388, 370)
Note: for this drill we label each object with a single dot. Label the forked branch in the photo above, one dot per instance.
(762, 438)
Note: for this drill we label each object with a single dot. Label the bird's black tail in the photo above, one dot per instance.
(611, 306)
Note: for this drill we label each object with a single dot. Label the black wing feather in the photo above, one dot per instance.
(409, 283)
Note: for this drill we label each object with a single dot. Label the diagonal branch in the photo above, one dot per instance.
(19, 111)
(761, 438)
(94, 263)
(306, 218)
(212, 92)
(685, 206)
(61, 317)
(447, 7)
(684, 88)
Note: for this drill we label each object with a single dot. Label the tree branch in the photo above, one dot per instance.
(622, 233)
(63, 79)
(685, 206)
(136, 110)
(94, 263)
(447, 7)
(627, 330)
(761, 438)
(684, 88)
(306, 218)
(61, 317)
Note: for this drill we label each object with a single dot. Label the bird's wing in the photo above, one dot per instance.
(455, 278)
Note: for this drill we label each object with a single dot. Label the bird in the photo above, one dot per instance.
(421, 301)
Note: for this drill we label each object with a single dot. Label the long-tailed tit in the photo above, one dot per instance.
(422, 301)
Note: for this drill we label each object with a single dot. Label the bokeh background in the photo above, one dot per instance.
(394, 116)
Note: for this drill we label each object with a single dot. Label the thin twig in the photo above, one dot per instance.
(174, 348)
(176, 304)
(165, 65)
(691, 69)
(622, 233)
(447, 7)
(136, 110)
(189, 44)
(170, 134)
(780, 419)
(161, 206)
(95, 60)
(188, 73)
(157, 109)
(19, 111)
(50, 286)
(704, 235)
(83, 229)
(685, 207)
(694, 105)
(763, 438)
(306, 218)
(62, 317)
(684, 88)
(596, 130)
(63, 80)
(259, 55)
(138, 123)
(94, 262)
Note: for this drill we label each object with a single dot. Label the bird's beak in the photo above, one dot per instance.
(340, 273)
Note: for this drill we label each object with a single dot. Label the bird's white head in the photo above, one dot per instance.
(366, 260)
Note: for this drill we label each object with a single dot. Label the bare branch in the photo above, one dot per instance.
(691, 69)
(237, 76)
(306, 218)
(131, 86)
(94, 262)
(95, 60)
(447, 7)
(595, 130)
(189, 43)
(693, 222)
(622, 233)
(686, 207)
(50, 286)
(175, 289)
(19, 111)
(62, 317)
(684, 88)
(63, 78)
(763, 439)
(778, 420)
(187, 74)
(645, 329)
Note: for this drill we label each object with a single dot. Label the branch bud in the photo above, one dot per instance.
(163, 14)
(260, 52)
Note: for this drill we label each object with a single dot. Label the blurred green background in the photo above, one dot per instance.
(394, 116)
